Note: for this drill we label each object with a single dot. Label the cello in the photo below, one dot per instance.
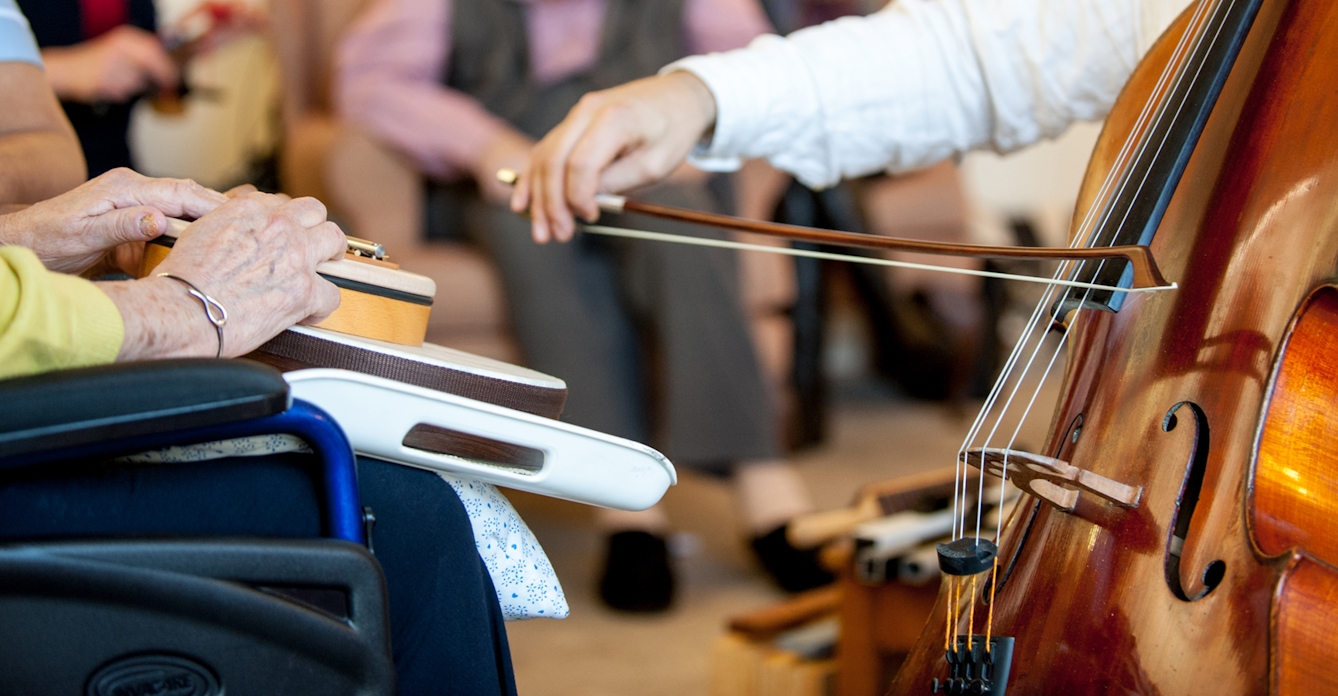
(1176, 535)
(1211, 405)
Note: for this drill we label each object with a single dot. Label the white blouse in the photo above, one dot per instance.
(921, 81)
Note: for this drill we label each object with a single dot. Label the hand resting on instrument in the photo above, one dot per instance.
(73, 232)
(256, 254)
(613, 140)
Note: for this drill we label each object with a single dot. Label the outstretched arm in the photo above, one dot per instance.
(918, 82)
(388, 82)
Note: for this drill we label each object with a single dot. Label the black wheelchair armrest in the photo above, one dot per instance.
(70, 408)
(203, 617)
(335, 577)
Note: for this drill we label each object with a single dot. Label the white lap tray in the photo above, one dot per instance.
(578, 464)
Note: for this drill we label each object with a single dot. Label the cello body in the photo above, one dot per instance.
(1220, 399)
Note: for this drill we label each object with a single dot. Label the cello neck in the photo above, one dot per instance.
(1133, 207)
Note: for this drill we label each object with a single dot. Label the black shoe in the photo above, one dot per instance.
(637, 576)
(793, 569)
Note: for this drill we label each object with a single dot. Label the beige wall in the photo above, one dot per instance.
(1040, 182)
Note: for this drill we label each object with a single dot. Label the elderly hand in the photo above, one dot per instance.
(111, 68)
(611, 141)
(257, 256)
(75, 230)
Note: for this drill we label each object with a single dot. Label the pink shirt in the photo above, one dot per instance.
(390, 63)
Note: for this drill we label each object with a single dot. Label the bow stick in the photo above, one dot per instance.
(1147, 276)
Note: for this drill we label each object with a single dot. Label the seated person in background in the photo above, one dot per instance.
(256, 256)
(911, 85)
(102, 55)
(464, 88)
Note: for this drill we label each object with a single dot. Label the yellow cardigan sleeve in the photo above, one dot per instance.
(50, 321)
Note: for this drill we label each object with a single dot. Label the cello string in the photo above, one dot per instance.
(947, 615)
(992, 398)
(971, 620)
(1040, 383)
(994, 582)
(1085, 234)
(1049, 367)
(1017, 387)
(1088, 228)
(1159, 148)
(1179, 110)
(995, 390)
(1092, 229)
(1078, 313)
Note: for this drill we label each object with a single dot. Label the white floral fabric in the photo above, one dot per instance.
(527, 587)
(238, 447)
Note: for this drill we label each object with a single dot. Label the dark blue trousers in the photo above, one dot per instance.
(447, 631)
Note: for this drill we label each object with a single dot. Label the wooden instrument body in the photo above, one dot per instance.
(376, 300)
(378, 329)
(1181, 380)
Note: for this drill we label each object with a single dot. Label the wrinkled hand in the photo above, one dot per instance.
(611, 141)
(508, 150)
(111, 68)
(257, 255)
(74, 231)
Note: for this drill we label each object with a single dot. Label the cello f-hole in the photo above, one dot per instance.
(1185, 504)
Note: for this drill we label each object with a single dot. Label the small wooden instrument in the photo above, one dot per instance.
(418, 404)
(377, 300)
(379, 329)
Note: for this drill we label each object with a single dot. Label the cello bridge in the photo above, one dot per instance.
(1055, 481)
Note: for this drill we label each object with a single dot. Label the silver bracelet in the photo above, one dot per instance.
(213, 311)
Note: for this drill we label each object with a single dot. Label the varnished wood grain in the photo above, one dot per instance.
(359, 313)
(1295, 502)
(382, 318)
(1305, 630)
(1251, 230)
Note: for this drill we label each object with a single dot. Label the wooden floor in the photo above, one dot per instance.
(599, 652)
